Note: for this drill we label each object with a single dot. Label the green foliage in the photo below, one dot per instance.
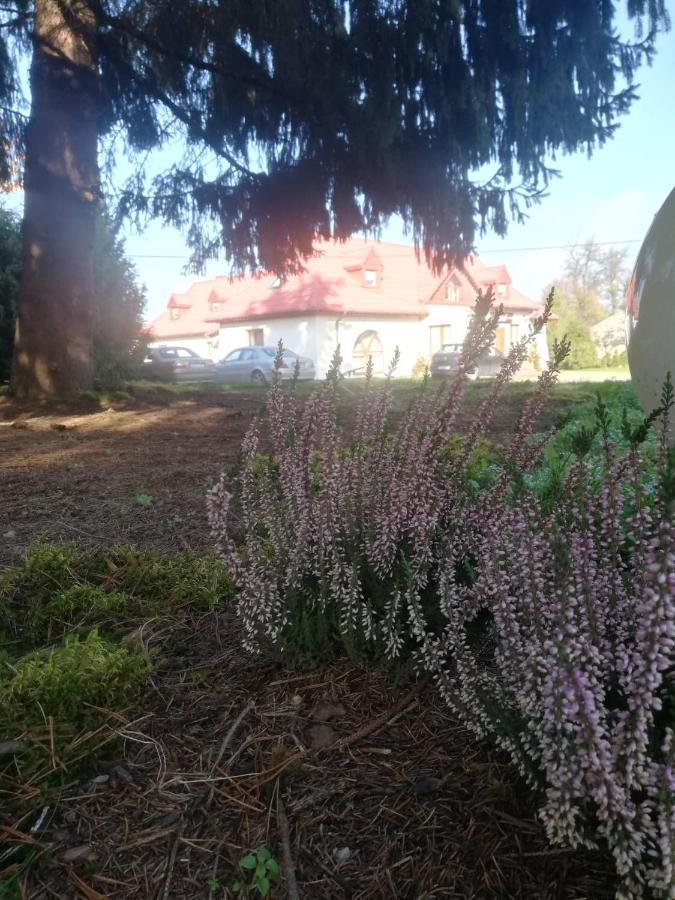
(68, 682)
(10, 269)
(393, 122)
(60, 587)
(482, 465)
(583, 354)
(119, 302)
(74, 607)
(260, 871)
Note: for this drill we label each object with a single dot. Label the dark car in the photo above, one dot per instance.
(178, 364)
(255, 365)
(446, 360)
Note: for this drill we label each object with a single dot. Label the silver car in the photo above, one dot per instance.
(255, 365)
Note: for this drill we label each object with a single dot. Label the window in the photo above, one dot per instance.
(175, 312)
(215, 305)
(177, 353)
(256, 337)
(370, 277)
(452, 292)
(247, 355)
(439, 335)
(233, 357)
(501, 290)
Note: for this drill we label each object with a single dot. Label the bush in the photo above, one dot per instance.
(341, 538)
(536, 585)
(573, 675)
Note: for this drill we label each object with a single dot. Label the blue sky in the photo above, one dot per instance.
(611, 197)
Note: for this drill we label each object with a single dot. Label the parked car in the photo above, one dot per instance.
(446, 360)
(178, 364)
(255, 365)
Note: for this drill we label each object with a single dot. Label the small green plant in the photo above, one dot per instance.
(143, 499)
(260, 871)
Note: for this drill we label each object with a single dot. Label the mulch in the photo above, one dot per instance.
(382, 798)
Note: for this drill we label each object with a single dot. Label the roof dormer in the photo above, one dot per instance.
(369, 272)
(215, 301)
(177, 303)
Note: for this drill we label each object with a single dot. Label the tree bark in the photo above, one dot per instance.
(53, 346)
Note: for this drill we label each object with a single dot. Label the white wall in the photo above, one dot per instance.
(317, 336)
(298, 333)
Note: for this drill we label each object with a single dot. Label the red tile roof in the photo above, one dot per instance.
(334, 283)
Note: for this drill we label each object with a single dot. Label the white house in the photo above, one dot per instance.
(369, 297)
(609, 334)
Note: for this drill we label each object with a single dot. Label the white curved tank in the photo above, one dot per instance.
(650, 309)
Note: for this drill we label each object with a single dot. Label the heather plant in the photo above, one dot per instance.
(341, 531)
(571, 668)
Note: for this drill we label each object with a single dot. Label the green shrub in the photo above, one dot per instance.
(68, 681)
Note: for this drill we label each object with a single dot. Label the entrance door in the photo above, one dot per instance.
(368, 345)
(500, 338)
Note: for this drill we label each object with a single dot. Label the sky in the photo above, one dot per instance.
(611, 197)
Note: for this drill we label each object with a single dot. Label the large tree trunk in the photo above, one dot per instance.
(53, 347)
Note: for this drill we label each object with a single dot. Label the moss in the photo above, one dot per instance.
(74, 682)
(60, 588)
(81, 604)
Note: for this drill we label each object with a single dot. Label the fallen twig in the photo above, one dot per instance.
(382, 720)
(289, 868)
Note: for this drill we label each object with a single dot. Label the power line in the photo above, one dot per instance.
(393, 255)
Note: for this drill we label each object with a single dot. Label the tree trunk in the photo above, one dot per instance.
(53, 347)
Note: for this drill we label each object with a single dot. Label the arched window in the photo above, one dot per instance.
(368, 344)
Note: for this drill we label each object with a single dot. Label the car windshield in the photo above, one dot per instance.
(271, 351)
(177, 353)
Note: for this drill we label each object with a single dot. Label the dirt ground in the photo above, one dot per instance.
(136, 471)
(400, 801)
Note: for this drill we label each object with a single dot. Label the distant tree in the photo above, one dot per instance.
(615, 276)
(10, 269)
(583, 354)
(298, 118)
(592, 286)
(119, 302)
(119, 305)
(593, 281)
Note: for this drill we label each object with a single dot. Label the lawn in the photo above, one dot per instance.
(385, 793)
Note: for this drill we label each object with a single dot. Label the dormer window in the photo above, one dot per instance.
(215, 305)
(276, 284)
(370, 277)
(175, 312)
(451, 292)
(501, 290)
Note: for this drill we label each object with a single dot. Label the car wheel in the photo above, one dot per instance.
(258, 378)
